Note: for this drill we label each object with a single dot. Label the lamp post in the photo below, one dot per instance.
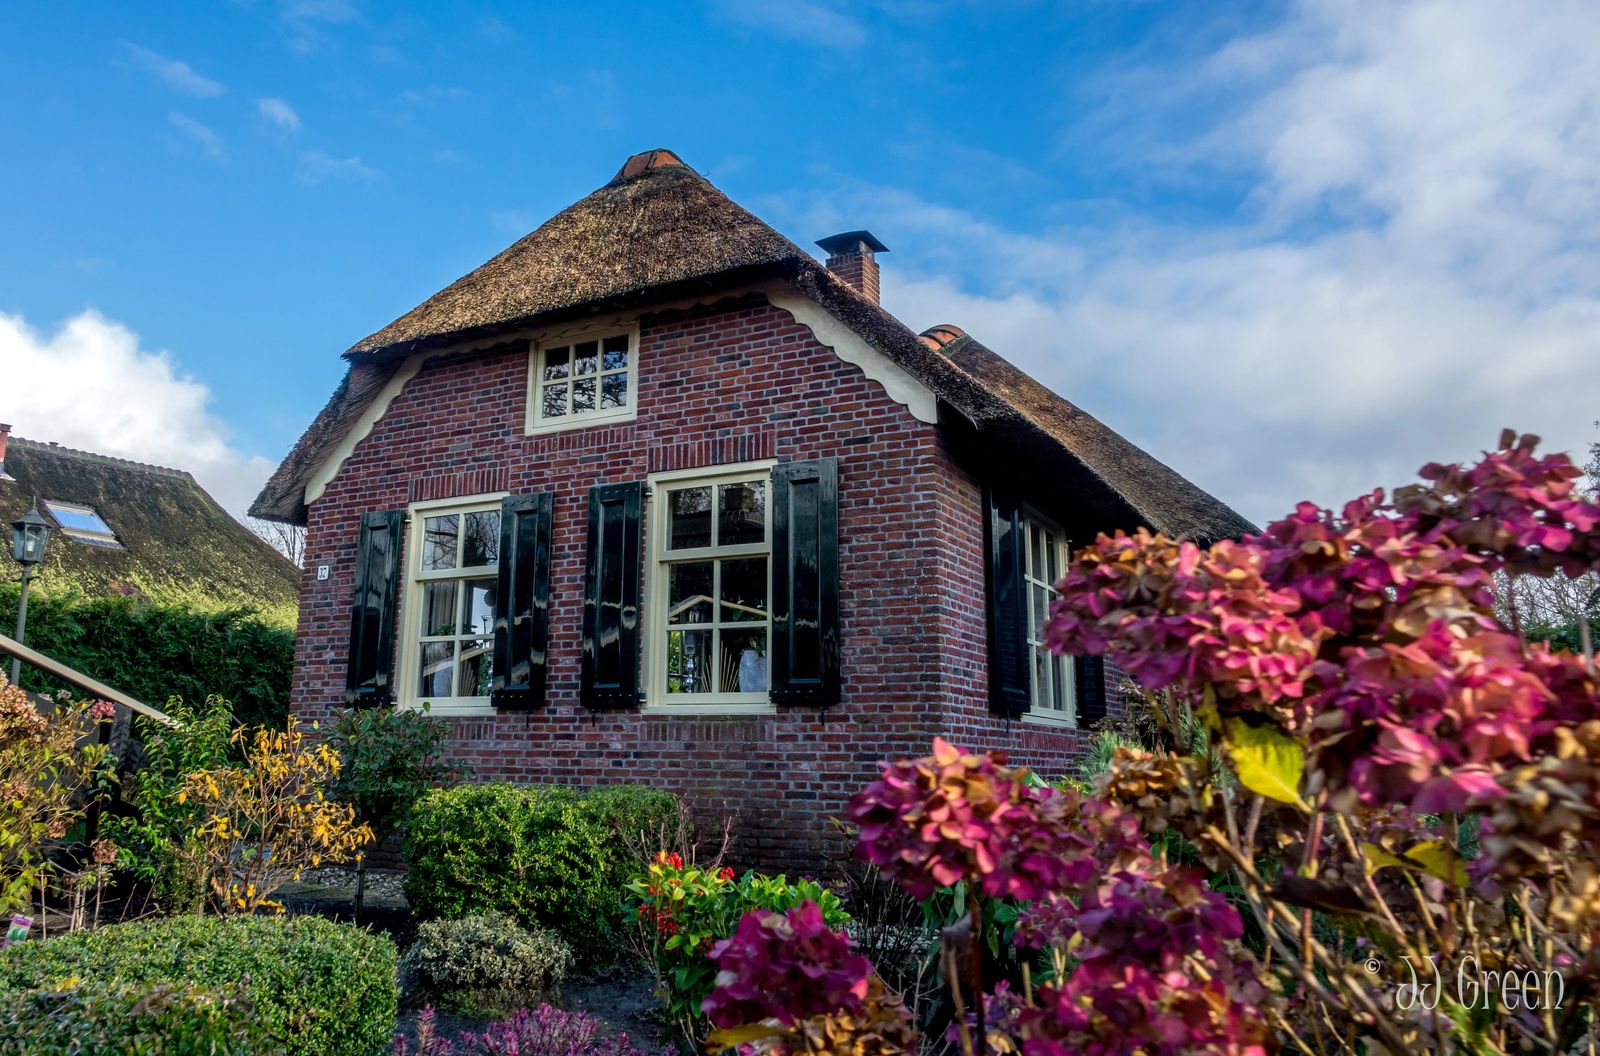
(29, 534)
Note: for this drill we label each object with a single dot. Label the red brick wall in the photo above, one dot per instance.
(715, 387)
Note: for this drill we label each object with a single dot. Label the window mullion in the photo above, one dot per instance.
(716, 613)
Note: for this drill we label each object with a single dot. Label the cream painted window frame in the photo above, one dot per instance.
(537, 424)
(657, 700)
(411, 601)
(1056, 539)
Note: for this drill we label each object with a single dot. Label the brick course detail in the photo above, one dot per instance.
(716, 386)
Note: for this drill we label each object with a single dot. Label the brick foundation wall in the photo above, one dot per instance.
(718, 386)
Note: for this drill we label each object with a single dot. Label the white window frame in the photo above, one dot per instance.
(657, 700)
(537, 423)
(89, 536)
(411, 601)
(1064, 667)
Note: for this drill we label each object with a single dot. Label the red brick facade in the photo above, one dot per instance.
(716, 386)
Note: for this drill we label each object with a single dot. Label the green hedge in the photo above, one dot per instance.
(99, 1019)
(545, 854)
(153, 652)
(320, 988)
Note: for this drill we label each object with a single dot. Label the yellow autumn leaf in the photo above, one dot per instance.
(1378, 858)
(1266, 761)
(728, 1037)
(1436, 859)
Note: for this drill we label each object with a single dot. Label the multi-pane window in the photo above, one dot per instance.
(454, 581)
(1050, 677)
(713, 553)
(578, 381)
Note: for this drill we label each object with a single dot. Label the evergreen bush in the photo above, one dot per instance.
(485, 965)
(542, 854)
(316, 987)
(154, 652)
(100, 1019)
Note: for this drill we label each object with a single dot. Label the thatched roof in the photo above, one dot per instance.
(660, 231)
(173, 542)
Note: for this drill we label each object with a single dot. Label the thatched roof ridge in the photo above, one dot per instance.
(664, 226)
(659, 231)
(177, 543)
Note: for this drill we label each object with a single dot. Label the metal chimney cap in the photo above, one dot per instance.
(849, 241)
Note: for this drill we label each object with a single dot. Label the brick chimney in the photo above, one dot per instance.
(852, 257)
(5, 438)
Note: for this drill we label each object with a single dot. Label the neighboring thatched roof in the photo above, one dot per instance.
(660, 231)
(176, 543)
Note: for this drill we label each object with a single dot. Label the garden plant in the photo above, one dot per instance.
(314, 987)
(389, 757)
(545, 1031)
(159, 839)
(485, 965)
(677, 912)
(263, 823)
(545, 855)
(1373, 806)
(46, 760)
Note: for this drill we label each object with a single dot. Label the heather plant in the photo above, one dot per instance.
(158, 839)
(261, 824)
(676, 913)
(546, 1031)
(46, 759)
(485, 965)
(1393, 799)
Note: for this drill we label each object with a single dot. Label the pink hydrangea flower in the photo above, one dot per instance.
(785, 966)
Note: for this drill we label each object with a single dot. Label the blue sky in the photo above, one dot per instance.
(1295, 250)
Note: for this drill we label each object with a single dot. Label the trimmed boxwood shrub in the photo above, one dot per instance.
(100, 1019)
(540, 854)
(322, 989)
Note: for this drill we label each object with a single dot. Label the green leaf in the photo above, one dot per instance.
(1266, 761)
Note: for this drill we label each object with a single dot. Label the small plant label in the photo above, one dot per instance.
(18, 932)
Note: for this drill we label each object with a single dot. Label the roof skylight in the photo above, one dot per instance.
(82, 524)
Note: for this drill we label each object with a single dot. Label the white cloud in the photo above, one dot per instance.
(1418, 264)
(92, 385)
(806, 20)
(304, 21)
(199, 133)
(278, 114)
(173, 72)
(315, 167)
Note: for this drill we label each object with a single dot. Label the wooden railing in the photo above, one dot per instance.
(77, 679)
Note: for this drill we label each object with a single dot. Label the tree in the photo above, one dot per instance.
(288, 539)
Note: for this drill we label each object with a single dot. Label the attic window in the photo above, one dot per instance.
(82, 524)
(577, 382)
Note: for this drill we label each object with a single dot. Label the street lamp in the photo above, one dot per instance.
(29, 534)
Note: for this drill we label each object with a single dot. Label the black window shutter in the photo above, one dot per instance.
(1091, 679)
(1008, 610)
(522, 602)
(611, 597)
(804, 658)
(369, 681)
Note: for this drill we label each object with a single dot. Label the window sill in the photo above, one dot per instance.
(1058, 722)
(568, 424)
(475, 709)
(703, 710)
